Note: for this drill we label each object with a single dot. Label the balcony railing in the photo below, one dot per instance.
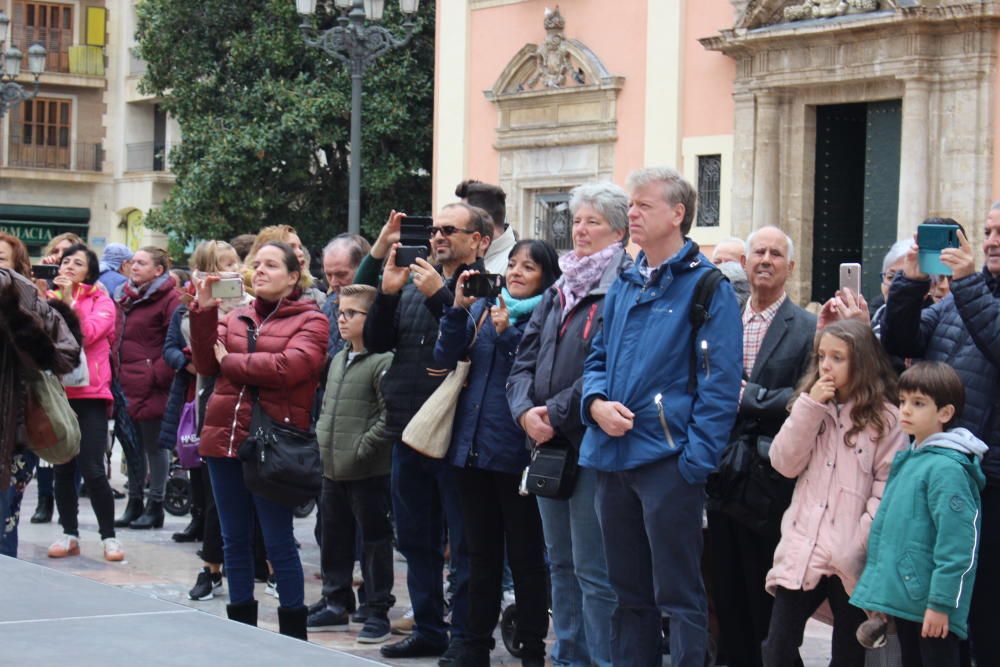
(80, 156)
(148, 156)
(56, 41)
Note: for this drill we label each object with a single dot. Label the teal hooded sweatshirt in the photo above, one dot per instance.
(923, 546)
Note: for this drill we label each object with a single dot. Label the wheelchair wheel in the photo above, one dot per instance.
(305, 509)
(177, 499)
(508, 630)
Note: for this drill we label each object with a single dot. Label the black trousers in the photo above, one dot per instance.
(788, 622)
(920, 651)
(984, 616)
(347, 507)
(211, 544)
(92, 415)
(497, 520)
(739, 559)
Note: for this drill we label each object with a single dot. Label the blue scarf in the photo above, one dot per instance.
(520, 309)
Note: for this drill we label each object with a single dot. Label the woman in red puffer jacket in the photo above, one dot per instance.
(77, 288)
(285, 366)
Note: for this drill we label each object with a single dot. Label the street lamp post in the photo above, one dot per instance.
(11, 92)
(357, 44)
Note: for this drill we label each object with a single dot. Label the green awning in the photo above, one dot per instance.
(51, 214)
(36, 225)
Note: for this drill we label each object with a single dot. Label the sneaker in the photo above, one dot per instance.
(376, 630)
(361, 615)
(67, 545)
(113, 550)
(404, 625)
(206, 586)
(872, 633)
(414, 646)
(328, 620)
(272, 586)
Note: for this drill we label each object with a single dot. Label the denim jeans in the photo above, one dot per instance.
(582, 598)
(236, 514)
(425, 503)
(22, 468)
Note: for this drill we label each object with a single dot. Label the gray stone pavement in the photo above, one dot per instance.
(156, 566)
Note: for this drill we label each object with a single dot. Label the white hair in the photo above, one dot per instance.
(896, 252)
(788, 240)
(609, 200)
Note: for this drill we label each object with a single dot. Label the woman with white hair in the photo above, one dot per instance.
(544, 395)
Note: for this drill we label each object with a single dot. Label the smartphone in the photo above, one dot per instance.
(932, 239)
(228, 288)
(46, 272)
(414, 239)
(486, 285)
(850, 277)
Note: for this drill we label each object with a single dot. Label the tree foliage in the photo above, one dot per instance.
(266, 119)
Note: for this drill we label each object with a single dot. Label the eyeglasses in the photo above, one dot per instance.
(448, 230)
(349, 313)
(889, 275)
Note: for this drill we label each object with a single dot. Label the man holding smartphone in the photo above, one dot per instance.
(404, 318)
(964, 332)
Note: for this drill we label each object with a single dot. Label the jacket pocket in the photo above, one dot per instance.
(908, 567)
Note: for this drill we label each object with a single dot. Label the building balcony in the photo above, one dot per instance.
(147, 156)
(63, 57)
(80, 156)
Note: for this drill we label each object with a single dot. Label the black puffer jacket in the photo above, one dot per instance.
(548, 369)
(963, 330)
(407, 322)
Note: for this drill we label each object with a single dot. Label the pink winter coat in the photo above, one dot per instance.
(824, 532)
(96, 312)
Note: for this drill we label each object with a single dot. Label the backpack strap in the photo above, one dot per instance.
(704, 290)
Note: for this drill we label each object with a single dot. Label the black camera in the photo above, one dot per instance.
(46, 272)
(414, 239)
(486, 285)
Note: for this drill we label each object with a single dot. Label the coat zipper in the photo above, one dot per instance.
(239, 399)
(658, 399)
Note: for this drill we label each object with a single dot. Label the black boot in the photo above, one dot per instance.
(292, 622)
(473, 654)
(244, 612)
(151, 518)
(132, 512)
(193, 531)
(43, 513)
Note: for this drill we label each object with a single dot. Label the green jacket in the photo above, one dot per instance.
(922, 550)
(353, 440)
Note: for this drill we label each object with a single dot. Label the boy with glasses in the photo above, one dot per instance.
(357, 459)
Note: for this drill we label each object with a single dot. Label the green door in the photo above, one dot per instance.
(882, 145)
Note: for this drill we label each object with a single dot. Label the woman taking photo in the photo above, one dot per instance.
(76, 288)
(285, 367)
(489, 453)
(544, 395)
(148, 301)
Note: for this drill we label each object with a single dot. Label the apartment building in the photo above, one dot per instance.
(88, 154)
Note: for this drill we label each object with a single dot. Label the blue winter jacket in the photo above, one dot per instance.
(963, 331)
(485, 434)
(643, 352)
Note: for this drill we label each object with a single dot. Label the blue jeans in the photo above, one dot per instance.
(22, 467)
(236, 515)
(651, 519)
(582, 598)
(425, 503)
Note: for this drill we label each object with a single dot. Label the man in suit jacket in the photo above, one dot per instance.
(745, 520)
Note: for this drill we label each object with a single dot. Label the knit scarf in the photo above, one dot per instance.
(132, 295)
(581, 274)
(520, 309)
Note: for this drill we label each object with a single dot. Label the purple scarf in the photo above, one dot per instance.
(582, 274)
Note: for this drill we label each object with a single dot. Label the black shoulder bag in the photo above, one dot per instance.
(280, 461)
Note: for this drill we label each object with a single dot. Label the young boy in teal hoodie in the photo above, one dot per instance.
(923, 546)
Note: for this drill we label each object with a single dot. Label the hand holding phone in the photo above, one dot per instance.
(484, 285)
(227, 288)
(850, 277)
(931, 240)
(414, 240)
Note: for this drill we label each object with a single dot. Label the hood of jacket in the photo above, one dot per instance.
(958, 439)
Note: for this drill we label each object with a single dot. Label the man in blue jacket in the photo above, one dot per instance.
(652, 442)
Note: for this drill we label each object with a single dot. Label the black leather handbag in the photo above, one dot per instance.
(553, 468)
(280, 462)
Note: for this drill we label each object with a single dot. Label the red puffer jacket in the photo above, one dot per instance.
(286, 367)
(144, 375)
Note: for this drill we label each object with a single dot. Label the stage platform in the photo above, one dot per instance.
(52, 619)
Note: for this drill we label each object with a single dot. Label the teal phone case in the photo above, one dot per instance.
(932, 239)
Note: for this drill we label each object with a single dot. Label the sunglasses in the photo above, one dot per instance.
(448, 230)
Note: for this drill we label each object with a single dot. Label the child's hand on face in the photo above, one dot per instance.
(824, 390)
(935, 625)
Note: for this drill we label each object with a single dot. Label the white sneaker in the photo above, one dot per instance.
(67, 545)
(113, 550)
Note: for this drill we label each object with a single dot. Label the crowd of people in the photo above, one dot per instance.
(719, 457)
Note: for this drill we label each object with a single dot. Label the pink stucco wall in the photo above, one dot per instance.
(615, 32)
(707, 84)
(996, 128)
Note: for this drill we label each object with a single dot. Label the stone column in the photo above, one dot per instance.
(743, 157)
(767, 162)
(913, 157)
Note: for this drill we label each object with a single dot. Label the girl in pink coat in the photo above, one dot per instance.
(76, 287)
(839, 441)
